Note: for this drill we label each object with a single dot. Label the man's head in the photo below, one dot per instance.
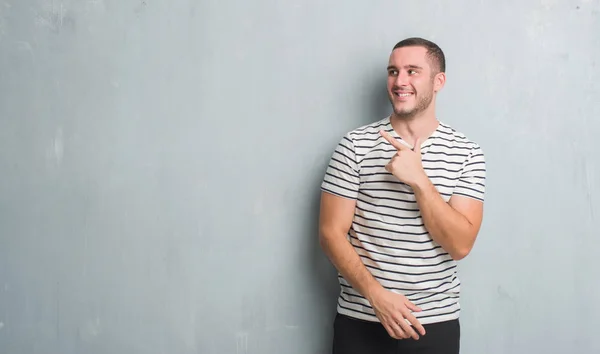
(416, 72)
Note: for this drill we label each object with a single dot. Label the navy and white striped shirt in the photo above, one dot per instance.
(387, 231)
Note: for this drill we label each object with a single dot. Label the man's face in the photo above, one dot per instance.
(410, 84)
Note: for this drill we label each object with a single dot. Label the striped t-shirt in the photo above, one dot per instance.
(387, 231)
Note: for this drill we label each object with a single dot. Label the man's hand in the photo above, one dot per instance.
(393, 310)
(406, 164)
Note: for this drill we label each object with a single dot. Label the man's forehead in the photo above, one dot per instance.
(409, 55)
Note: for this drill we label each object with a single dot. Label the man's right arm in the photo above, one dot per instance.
(334, 223)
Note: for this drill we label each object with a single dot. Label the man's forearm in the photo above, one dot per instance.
(348, 263)
(446, 226)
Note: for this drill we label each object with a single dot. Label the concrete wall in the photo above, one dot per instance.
(161, 163)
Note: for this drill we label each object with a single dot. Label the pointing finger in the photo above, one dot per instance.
(398, 145)
(417, 147)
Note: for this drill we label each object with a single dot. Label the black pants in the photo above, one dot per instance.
(353, 336)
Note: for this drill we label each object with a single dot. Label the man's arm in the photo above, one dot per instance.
(339, 192)
(334, 223)
(453, 225)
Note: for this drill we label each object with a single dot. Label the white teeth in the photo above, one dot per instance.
(404, 94)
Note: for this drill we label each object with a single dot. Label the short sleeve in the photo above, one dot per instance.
(471, 182)
(342, 174)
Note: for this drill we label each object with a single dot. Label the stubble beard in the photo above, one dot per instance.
(422, 104)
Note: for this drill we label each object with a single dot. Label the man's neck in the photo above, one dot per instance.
(421, 126)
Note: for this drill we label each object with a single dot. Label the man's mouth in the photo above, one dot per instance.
(402, 94)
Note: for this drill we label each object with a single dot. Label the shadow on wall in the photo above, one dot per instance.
(379, 105)
(324, 276)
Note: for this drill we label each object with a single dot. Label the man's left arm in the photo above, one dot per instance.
(454, 225)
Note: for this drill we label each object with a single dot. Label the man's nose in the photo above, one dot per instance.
(401, 79)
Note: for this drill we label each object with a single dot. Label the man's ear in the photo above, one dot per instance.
(439, 81)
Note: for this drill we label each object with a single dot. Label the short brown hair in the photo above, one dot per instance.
(434, 52)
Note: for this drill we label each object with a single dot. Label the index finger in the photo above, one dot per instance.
(398, 145)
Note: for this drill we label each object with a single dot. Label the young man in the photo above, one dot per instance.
(401, 203)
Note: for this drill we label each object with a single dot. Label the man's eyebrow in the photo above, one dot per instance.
(390, 67)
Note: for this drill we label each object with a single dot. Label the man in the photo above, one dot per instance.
(401, 203)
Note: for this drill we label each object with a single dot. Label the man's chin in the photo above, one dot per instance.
(404, 113)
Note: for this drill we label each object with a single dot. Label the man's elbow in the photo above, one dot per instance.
(463, 245)
(329, 236)
(462, 250)
(460, 253)
(324, 237)
(323, 240)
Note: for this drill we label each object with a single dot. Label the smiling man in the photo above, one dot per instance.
(401, 203)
